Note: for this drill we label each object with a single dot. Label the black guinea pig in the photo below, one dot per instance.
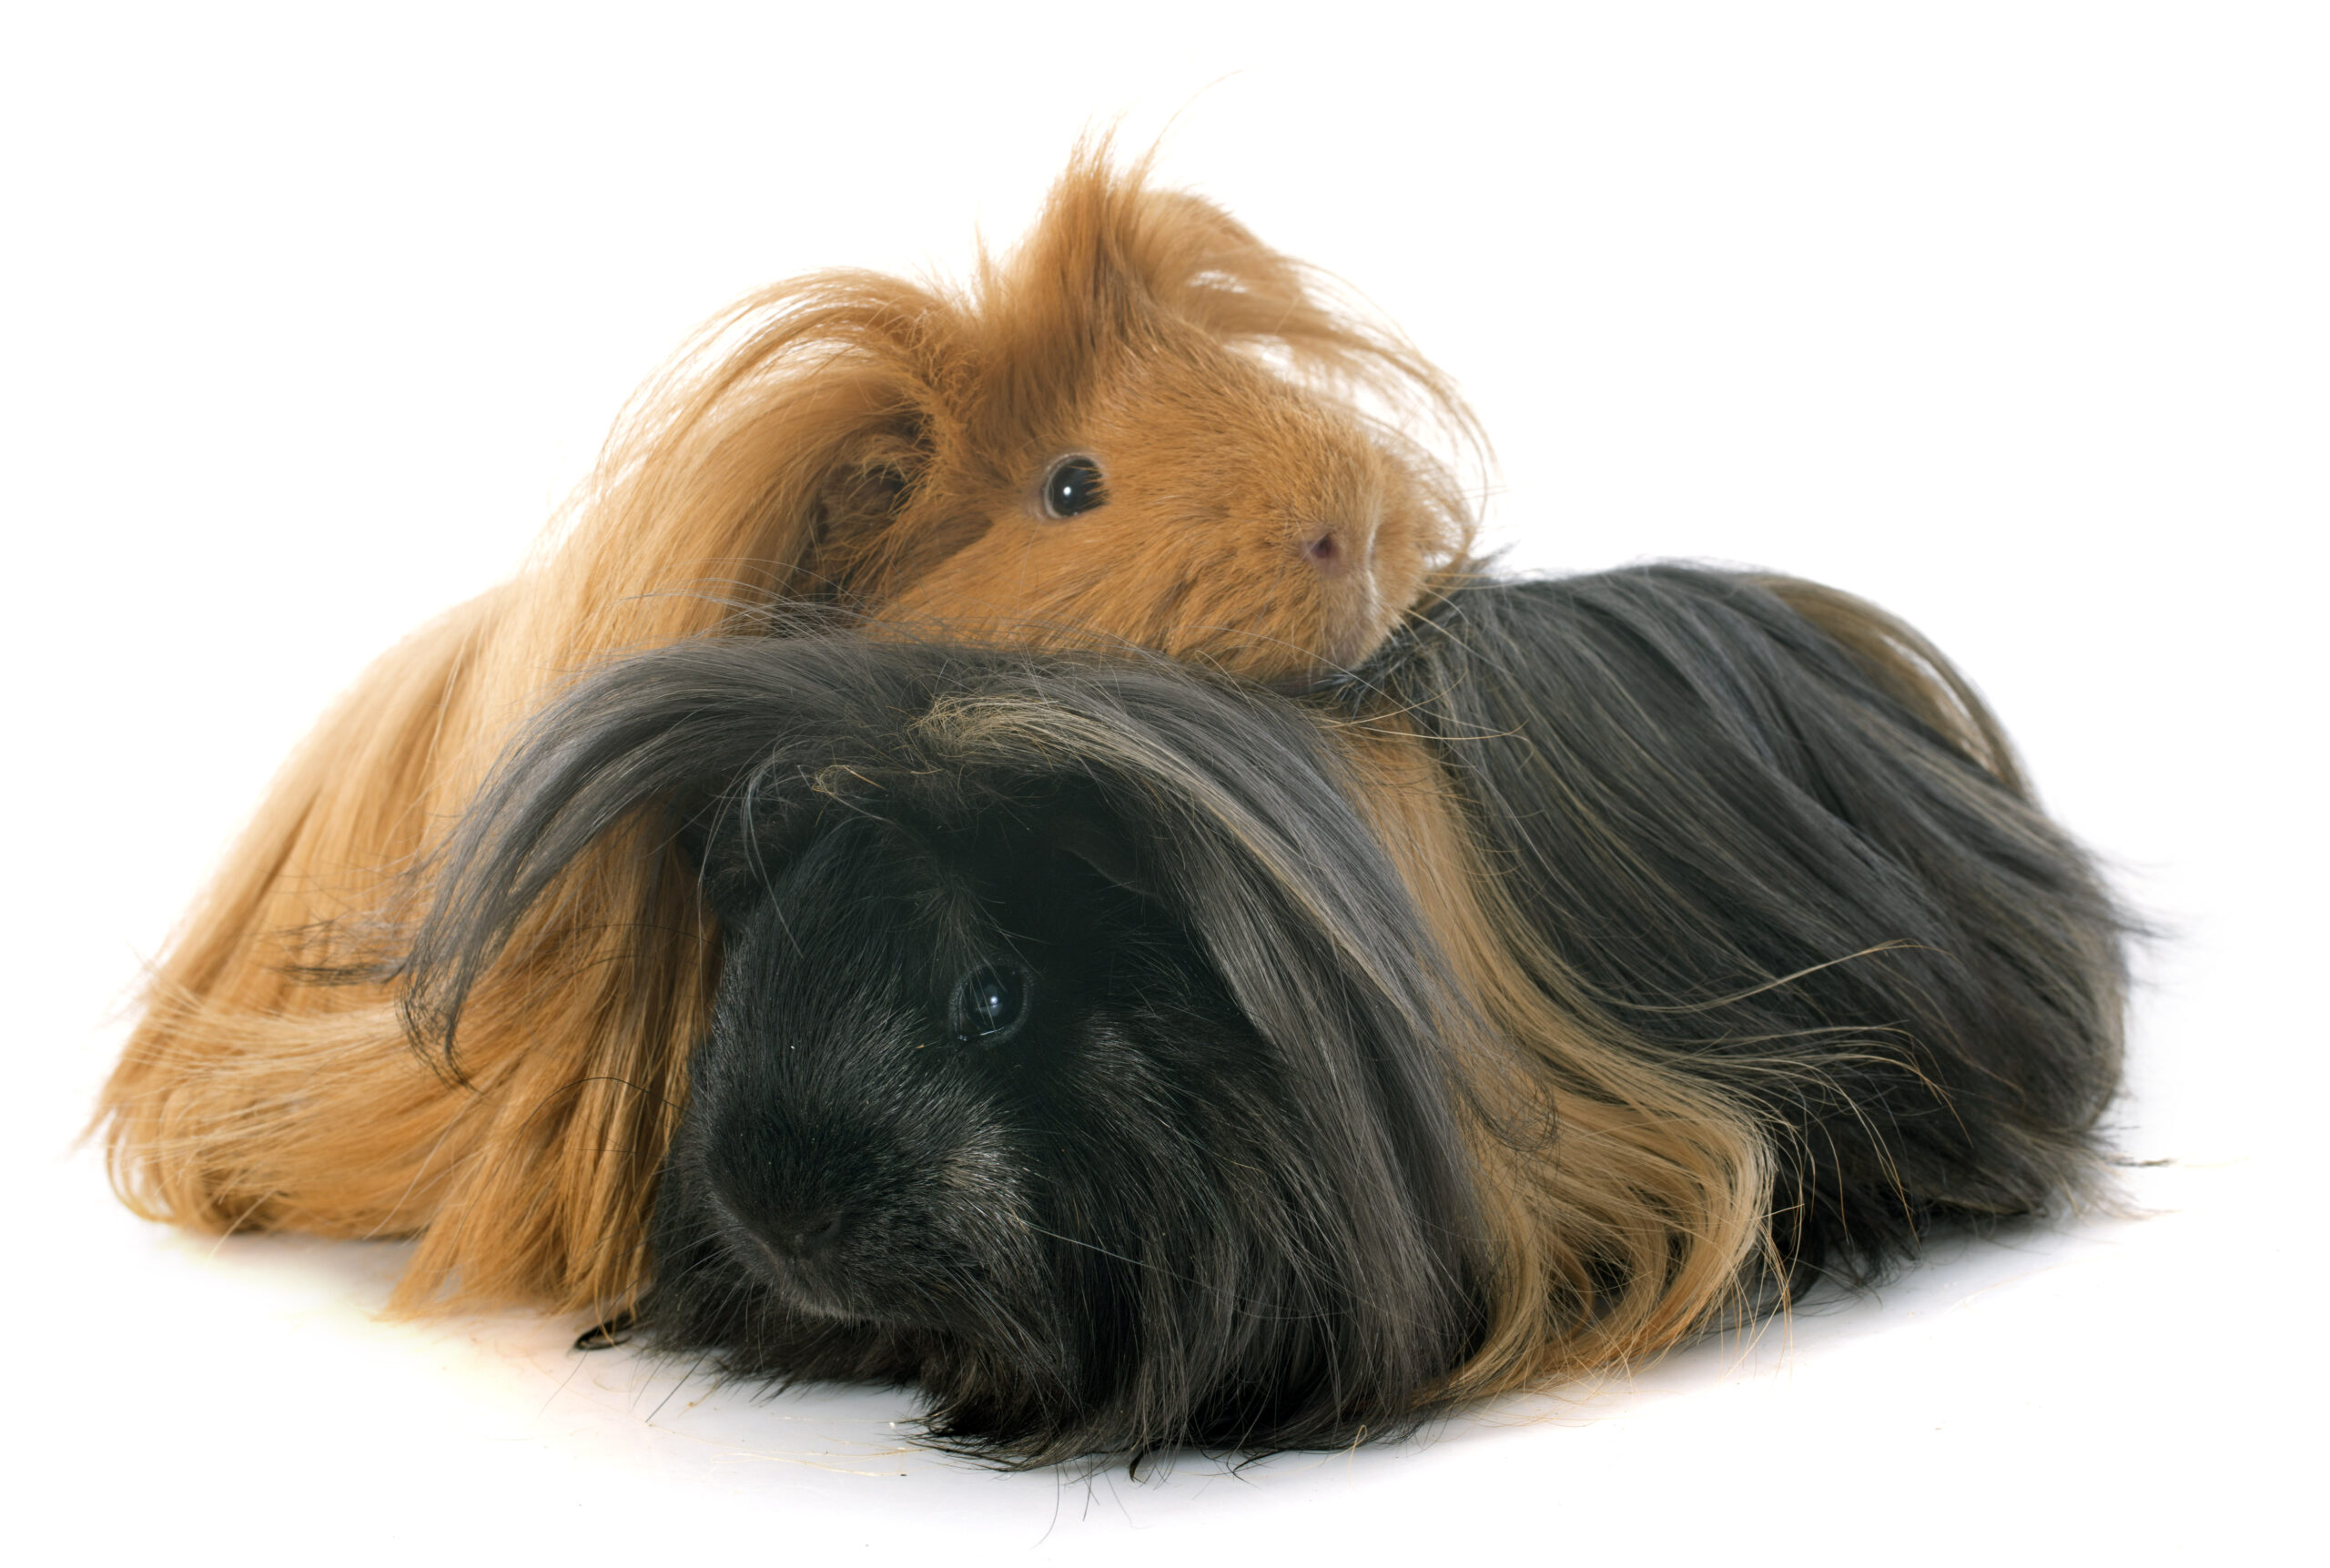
(1076, 1053)
(1132, 1058)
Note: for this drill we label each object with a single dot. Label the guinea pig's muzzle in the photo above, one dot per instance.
(804, 1254)
(862, 1224)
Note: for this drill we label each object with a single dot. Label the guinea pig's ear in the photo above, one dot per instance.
(771, 457)
(863, 546)
(866, 488)
(734, 841)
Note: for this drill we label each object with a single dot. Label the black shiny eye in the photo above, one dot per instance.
(1073, 485)
(988, 1005)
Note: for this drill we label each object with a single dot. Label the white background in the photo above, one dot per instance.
(2012, 318)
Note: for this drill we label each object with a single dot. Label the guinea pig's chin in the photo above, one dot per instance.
(1339, 642)
(1355, 613)
(1349, 645)
(1346, 642)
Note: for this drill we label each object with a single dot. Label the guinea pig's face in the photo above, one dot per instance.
(1188, 500)
(972, 1115)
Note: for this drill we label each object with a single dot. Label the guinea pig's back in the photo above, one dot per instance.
(1797, 864)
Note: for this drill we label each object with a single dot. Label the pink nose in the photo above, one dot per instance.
(1331, 551)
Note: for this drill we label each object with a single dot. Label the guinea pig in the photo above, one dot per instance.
(1076, 1053)
(1144, 427)
(1130, 1059)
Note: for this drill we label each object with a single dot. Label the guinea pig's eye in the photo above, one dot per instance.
(988, 1005)
(1073, 485)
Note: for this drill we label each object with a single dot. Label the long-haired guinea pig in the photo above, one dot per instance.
(1143, 427)
(1132, 1059)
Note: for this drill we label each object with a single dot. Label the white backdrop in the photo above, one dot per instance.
(2010, 317)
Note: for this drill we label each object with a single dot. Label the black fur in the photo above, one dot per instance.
(1212, 1185)
(1745, 848)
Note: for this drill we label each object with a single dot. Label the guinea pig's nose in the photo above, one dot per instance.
(808, 1234)
(1338, 548)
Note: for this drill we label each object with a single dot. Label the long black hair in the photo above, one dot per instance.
(1767, 832)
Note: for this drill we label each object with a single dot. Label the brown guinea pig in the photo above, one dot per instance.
(1143, 426)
